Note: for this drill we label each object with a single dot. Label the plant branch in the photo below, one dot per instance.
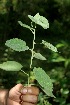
(33, 31)
(27, 76)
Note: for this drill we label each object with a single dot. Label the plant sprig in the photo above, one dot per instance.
(19, 45)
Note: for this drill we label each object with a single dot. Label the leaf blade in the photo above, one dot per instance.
(24, 25)
(49, 46)
(11, 66)
(44, 80)
(39, 56)
(40, 20)
(17, 44)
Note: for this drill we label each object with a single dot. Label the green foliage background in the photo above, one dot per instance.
(57, 66)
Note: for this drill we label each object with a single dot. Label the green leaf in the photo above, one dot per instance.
(11, 66)
(67, 62)
(49, 46)
(43, 22)
(40, 20)
(44, 80)
(39, 56)
(58, 59)
(24, 25)
(59, 45)
(37, 16)
(17, 44)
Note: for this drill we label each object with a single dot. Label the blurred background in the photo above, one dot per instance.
(57, 65)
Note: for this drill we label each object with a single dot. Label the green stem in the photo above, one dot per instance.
(27, 76)
(33, 31)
